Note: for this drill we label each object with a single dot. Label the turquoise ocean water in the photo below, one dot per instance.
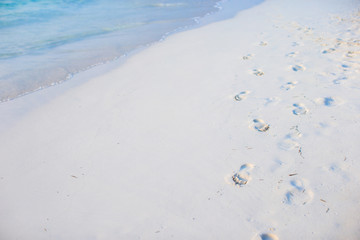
(44, 42)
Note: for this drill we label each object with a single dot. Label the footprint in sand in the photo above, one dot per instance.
(272, 101)
(241, 96)
(297, 68)
(345, 67)
(289, 144)
(330, 101)
(351, 54)
(268, 236)
(340, 170)
(258, 72)
(298, 194)
(339, 80)
(292, 54)
(289, 85)
(260, 125)
(296, 44)
(330, 50)
(300, 109)
(248, 57)
(263, 43)
(241, 177)
(290, 140)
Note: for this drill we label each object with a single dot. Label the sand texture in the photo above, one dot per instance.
(246, 128)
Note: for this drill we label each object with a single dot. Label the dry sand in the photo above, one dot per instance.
(242, 129)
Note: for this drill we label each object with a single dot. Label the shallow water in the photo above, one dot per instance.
(43, 42)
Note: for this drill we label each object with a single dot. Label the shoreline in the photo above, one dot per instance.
(223, 9)
(230, 130)
(27, 102)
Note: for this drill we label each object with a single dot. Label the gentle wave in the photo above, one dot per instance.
(167, 4)
(43, 42)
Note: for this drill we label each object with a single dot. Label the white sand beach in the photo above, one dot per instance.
(246, 128)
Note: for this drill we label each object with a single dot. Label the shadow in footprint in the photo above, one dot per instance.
(300, 109)
(260, 125)
(290, 140)
(258, 72)
(263, 43)
(241, 177)
(345, 67)
(268, 236)
(330, 50)
(298, 194)
(241, 96)
(289, 85)
(292, 54)
(248, 56)
(297, 68)
(339, 80)
(330, 101)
